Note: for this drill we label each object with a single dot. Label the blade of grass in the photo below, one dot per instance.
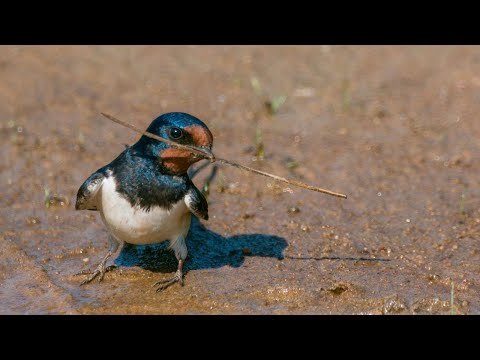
(275, 104)
(256, 86)
(260, 147)
(47, 197)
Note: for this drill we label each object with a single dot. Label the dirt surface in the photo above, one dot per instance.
(395, 128)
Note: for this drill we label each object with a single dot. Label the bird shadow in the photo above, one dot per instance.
(206, 250)
(209, 250)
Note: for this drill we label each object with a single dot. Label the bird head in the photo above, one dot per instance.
(180, 128)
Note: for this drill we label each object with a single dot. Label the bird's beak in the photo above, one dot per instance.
(207, 153)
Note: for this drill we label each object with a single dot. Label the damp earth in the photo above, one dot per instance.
(395, 128)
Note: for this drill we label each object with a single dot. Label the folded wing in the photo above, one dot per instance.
(196, 202)
(87, 194)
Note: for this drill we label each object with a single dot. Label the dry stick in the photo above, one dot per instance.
(291, 182)
(475, 233)
(212, 158)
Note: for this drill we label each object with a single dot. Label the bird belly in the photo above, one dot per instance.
(138, 226)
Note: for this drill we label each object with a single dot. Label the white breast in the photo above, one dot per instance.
(137, 226)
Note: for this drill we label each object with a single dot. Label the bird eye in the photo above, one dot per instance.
(176, 133)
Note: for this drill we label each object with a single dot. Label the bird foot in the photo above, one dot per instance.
(99, 271)
(163, 284)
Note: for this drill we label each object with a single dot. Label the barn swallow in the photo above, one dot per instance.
(145, 195)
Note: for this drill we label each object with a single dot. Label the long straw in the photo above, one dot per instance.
(210, 156)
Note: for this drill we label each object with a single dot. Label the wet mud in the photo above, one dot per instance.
(395, 128)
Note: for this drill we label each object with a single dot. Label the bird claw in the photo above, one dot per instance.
(99, 271)
(163, 284)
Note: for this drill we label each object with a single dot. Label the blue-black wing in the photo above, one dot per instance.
(196, 202)
(87, 194)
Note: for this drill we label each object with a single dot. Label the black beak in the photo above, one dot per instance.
(210, 155)
(206, 153)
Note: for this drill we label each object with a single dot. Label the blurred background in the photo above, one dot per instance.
(393, 127)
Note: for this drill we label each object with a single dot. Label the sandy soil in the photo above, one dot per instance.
(395, 128)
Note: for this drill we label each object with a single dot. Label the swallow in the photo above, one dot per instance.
(145, 195)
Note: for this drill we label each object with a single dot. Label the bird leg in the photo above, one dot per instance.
(178, 277)
(180, 248)
(101, 269)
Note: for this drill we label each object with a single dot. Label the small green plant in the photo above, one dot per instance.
(47, 197)
(208, 180)
(256, 86)
(259, 146)
(291, 164)
(80, 145)
(81, 138)
(275, 104)
(221, 182)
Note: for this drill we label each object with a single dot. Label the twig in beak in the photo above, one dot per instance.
(210, 156)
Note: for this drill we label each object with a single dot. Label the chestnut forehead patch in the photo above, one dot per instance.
(200, 135)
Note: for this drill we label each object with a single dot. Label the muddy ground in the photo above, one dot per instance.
(396, 128)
